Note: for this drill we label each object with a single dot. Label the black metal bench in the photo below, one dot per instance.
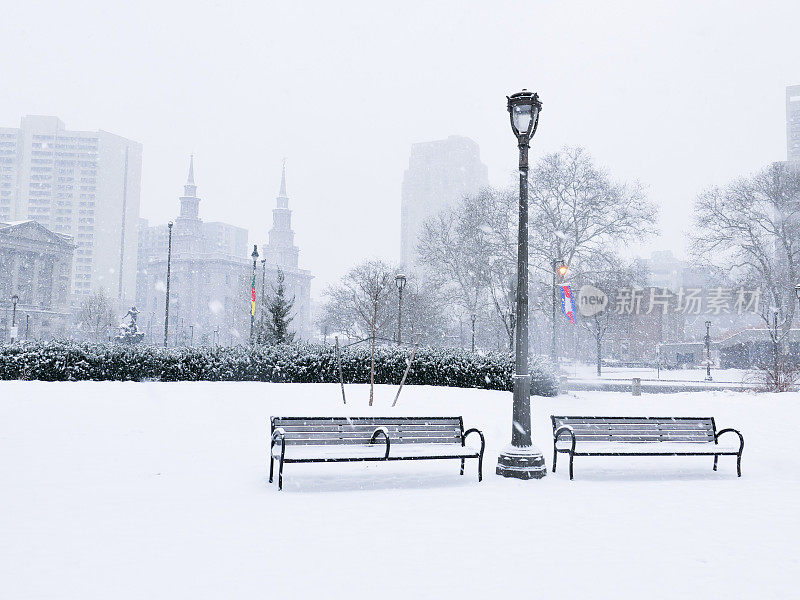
(349, 439)
(641, 436)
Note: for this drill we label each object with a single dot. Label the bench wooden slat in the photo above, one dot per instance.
(284, 421)
(327, 431)
(379, 443)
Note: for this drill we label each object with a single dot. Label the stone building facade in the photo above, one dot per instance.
(36, 266)
(209, 278)
(211, 273)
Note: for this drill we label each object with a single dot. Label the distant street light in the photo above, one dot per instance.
(263, 280)
(473, 316)
(169, 266)
(522, 459)
(559, 269)
(14, 300)
(400, 282)
(254, 256)
(708, 351)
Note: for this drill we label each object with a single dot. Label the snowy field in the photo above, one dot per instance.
(158, 490)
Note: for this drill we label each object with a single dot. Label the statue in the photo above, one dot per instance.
(129, 333)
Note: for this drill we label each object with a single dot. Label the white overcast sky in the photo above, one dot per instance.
(679, 95)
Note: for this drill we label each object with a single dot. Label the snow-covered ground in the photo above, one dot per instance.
(158, 490)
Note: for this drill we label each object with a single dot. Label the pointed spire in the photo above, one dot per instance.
(283, 199)
(190, 189)
(190, 179)
(282, 193)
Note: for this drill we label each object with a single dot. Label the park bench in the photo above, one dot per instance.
(350, 439)
(642, 436)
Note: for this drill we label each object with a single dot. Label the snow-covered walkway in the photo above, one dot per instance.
(158, 490)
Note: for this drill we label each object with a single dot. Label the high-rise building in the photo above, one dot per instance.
(793, 123)
(84, 184)
(439, 174)
(281, 253)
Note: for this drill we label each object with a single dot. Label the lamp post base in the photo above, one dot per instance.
(521, 463)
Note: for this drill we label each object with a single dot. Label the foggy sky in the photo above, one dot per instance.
(679, 95)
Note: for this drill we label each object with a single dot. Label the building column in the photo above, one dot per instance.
(54, 284)
(35, 281)
(14, 272)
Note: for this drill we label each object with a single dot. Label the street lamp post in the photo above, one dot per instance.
(14, 300)
(169, 267)
(473, 316)
(708, 351)
(263, 280)
(400, 282)
(254, 256)
(558, 268)
(522, 459)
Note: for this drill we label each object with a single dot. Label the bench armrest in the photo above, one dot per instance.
(473, 430)
(381, 430)
(731, 430)
(565, 428)
(279, 435)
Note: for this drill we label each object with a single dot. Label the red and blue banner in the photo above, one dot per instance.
(566, 303)
(253, 295)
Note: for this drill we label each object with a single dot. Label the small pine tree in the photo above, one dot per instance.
(278, 310)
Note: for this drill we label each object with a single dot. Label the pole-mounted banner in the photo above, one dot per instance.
(253, 295)
(566, 303)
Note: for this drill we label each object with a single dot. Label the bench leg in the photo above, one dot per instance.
(462, 466)
(480, 467)
(280, 474)
(716, 456)
(555, 457)
(570, 466)
(271, 463)
(739, 465)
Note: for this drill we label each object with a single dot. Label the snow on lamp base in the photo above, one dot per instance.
(521, 462)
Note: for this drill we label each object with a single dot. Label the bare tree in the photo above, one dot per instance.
(578, 212)
(362, 302)
(96, 316)
(751, 229)
(453, 247)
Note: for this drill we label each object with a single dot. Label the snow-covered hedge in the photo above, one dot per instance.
(68, 361)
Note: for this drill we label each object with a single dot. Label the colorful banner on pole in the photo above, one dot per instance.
(253, 296)
(566, 303)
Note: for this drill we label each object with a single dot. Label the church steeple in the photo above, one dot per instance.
(281, 250)
(190, 203)
(283, 199)
(190, 189)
